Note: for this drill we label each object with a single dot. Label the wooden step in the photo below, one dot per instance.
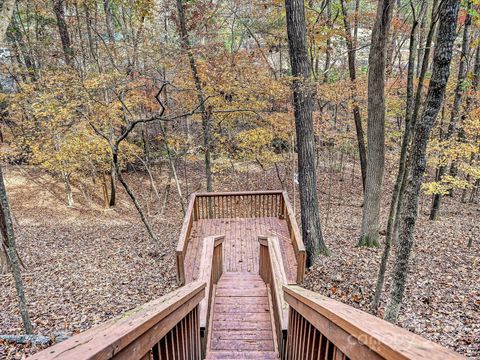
(241, 323)
(241, 355)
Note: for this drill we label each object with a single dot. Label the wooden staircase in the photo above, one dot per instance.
(240, 256)
(241, 324)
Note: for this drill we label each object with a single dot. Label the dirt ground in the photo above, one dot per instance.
(86, 264)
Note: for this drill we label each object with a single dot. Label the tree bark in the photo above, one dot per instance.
(457, 101)
(376, 125)
(403, 176)
(435, 95)
(58, 9)
(402, 164)
(303, 95)
(8, 234)
(206, 113)
(6, 12)
(351, 45)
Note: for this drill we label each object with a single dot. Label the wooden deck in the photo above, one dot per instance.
(240, 247)
(241, 326)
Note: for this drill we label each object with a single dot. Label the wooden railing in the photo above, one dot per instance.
(322, 328)
(211, 267)
(272, 271)
(295, 237)
(252, 204)
(166, 328)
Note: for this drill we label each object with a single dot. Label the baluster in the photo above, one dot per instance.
(197, 334)
(303, 331)
(314, 348)
(156, 352)
(295, 335)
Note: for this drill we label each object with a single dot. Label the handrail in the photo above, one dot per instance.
(153, 328)
(345, 332)
(272, 271)
(183, 239)
(211, 268)
(296, 237)
(245, 204)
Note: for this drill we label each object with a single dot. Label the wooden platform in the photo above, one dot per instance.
(241, 248)
(241, 326)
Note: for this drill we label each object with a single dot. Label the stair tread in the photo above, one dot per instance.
(241, 325)
(218, 355)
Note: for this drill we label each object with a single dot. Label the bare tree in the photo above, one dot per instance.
(303, 95)
(204, 110)
(376, 124)
(402, 162)
(9, 243)
(435, 95)
(351, 45)
(457, 101)
(59, 10)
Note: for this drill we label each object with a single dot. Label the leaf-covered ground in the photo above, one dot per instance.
(86, 265)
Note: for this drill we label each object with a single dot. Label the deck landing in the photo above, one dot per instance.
(240, 248)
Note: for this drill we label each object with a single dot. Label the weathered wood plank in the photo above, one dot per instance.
(239, 344)
(358, 334)
(241, 318)
(132, 334)
(244, 335)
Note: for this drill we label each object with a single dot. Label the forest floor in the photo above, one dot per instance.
(85, 264)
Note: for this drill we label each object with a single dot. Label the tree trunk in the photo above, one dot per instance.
(6, 12)
(376, 125)
(8, 235)
(113, 186)
(58, 8)
(106, 204)
(132, 196)
(303, 94)
(421, 34)
(206, 112)
(173, 168)
(457, 101)
(68, 188)
(328, 43)
(166, 193)
(403, 176)
(401, 167)
(351, 45)
(436, 91)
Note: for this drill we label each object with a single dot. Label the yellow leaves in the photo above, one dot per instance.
(257, 144)
(446, 184)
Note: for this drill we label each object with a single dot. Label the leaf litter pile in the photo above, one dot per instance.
(86, 265)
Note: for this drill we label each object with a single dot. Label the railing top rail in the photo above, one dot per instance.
(279, 277)
(106, 340)
(206, 268)
(387, 340)
(296, 230)
(186, 225)
(239, 193)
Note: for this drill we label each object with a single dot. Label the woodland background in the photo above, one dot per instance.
(77, 74)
